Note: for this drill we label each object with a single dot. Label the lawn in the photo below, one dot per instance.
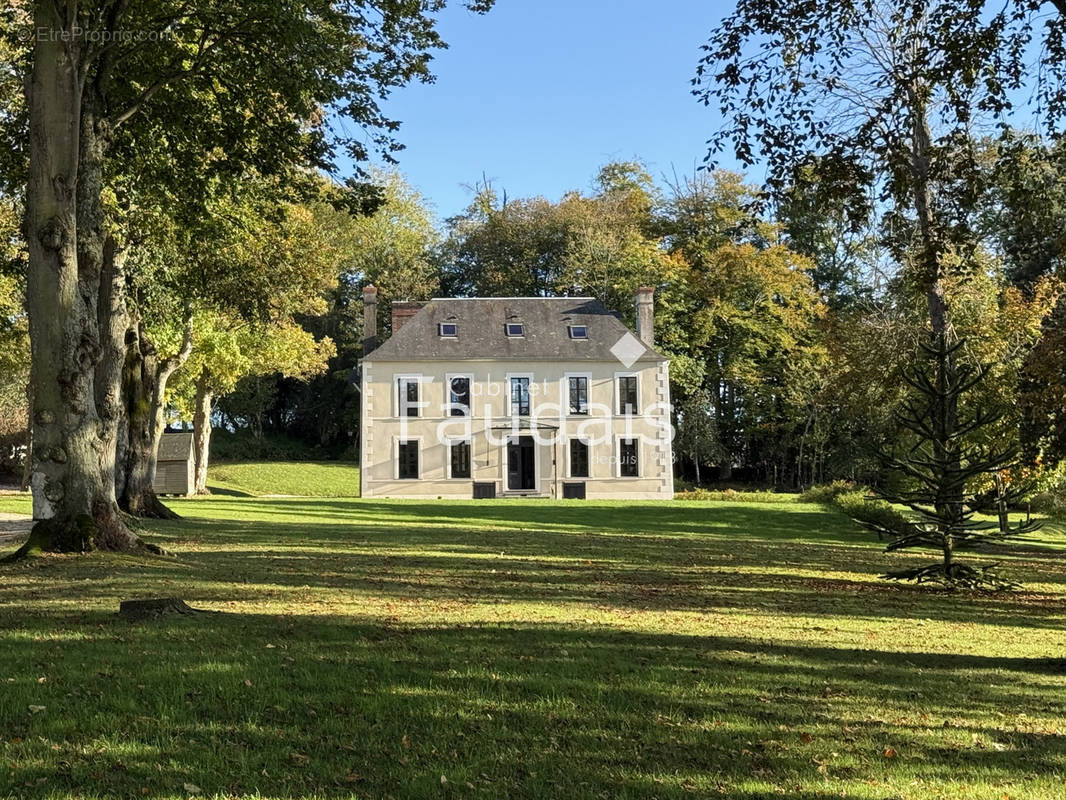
(309, 478)
(526, 649)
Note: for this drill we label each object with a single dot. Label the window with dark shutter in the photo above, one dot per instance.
(627, 395)
(579, 459)
(408, 458)
(627, 458)
(579, 395)
(460, 459)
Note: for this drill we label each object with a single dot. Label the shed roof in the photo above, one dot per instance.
(175, 447)
(546, 336)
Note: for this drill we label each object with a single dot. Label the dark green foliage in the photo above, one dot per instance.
(243, 446)
(872, 513)
(947, 456)
(855, 501)
(827, 494)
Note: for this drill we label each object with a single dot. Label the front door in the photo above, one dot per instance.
(520, 464)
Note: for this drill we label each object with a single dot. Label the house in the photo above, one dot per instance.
(515, 396)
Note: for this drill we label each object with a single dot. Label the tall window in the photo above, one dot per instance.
(407, 469)
(579, 395)
(579, 459)
(520, 397)
(459, 397)
(407, 389)
(460, 459)
(627, 395)
(627, 458)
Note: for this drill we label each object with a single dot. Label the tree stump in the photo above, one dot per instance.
(134, 610)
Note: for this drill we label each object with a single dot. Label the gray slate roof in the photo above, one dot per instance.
(175, 447)
(481, 323)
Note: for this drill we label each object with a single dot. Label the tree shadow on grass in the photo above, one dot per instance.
(300, 706)
(372, 553)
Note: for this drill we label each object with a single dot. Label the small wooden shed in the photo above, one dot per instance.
(174, 465)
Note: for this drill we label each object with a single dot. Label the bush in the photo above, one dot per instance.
(827, 493)
(873, 513)
(1050, 496)
(735, 496)
(1051, 503)
(243, 446)
(855, 502)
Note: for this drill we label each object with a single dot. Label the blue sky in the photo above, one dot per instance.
(537, 94)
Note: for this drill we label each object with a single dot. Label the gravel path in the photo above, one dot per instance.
(13, 527)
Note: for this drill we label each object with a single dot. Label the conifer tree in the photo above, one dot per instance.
(940, 469)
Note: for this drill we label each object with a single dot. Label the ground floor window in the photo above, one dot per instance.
(579, 459)
(627, 458)
(408, 460)
(460, 459)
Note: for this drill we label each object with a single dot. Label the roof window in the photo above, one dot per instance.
(579, 332)
(447, 330)
(515, 329)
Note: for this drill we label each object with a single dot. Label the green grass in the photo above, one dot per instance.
(307, 478)
(16, 503)
(526, 649)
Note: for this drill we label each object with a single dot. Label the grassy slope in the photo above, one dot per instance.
(525, 649)
(309, 478)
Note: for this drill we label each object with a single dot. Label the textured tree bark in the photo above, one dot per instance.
(113, 324)
(27, 465)
(201, 436)
(73, 498)
(945, 413)
(146, 385)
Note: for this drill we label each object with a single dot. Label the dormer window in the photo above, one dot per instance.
(515, 329)
(447, 330)
(579, 332)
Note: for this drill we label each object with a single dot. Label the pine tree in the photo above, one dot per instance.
(940, 468)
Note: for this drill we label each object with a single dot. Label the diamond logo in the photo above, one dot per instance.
(627, 350)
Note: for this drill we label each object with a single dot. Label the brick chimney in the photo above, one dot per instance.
(403, 310)
(370, 319)
(646, 315)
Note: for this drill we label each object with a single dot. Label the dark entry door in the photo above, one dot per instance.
(520, 461)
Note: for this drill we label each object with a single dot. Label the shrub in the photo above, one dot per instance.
(735, 496)
(827, 493)
(1050, 496)
(856, 502)
(877, 515)
(243, 446)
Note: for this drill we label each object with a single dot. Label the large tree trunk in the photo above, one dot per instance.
(72, 497)
(201, 423)
(945, 412)
(114, 324)
(146, 385)
(27, 465)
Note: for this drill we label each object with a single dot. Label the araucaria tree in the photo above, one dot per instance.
(941, 467)
(876, 100)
